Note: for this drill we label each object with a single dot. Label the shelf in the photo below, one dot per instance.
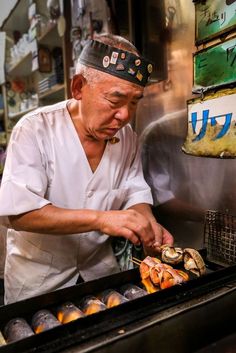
(50, 36)
(54, 90)
(23, 67)
(3, 139)
(20, 114)
(18, 17)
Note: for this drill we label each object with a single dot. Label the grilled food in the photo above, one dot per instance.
(171, 255)
(193, 262)
(157, 275)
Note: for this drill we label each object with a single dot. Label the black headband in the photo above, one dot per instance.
(116, 62)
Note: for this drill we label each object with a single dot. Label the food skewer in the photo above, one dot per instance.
(157, 275)
(135, 260)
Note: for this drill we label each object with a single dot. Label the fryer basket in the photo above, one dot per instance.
(220, 237)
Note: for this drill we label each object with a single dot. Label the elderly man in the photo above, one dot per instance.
(73, 177)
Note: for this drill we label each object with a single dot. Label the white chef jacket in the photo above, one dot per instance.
(46, 164)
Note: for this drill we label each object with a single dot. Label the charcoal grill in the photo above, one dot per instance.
(183, 318)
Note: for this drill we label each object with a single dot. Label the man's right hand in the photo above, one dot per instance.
(129, 224)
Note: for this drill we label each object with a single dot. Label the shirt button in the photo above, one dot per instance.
(90, 193)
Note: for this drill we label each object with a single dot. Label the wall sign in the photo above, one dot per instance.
(212, 125)
(214, 18)
(215, 65)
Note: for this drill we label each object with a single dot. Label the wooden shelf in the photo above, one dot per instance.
(50, 37)
(21, 113)
(18, 17)
(23, 67)
(54, 90)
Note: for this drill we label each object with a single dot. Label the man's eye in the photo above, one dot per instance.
(113, 102)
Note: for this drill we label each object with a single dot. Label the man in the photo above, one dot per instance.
(73, 177)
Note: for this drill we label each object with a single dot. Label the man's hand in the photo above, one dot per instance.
(162, 236)
(129, 224)
(136, 224)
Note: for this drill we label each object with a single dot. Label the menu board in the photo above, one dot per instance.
(215, 65)
(214, 18)
(212, 125)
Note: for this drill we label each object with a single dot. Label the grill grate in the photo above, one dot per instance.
(220, 237)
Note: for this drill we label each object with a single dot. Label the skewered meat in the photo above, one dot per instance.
(171, 255)
(146, 264)
(194, 262)
(68, 312)
(150, 288)
(157, 275)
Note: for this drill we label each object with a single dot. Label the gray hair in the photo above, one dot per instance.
(92, 75)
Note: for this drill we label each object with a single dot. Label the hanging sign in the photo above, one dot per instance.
(214, 18)
(212, 125)
(215, 65)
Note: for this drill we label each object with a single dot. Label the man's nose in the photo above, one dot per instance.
(123, 114)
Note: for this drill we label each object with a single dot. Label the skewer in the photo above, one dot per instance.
(135, 261)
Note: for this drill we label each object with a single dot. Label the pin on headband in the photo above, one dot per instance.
(116, 62)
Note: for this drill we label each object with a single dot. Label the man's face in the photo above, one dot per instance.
(108, 105)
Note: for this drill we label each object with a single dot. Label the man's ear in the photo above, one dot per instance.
(76, 86)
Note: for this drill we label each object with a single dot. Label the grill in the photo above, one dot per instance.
(180, 319)
(220, 237)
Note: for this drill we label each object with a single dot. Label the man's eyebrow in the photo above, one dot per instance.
(123, 95)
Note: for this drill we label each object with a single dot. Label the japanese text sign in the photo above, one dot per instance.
(212, 125)
(214, 18)
(215, 65)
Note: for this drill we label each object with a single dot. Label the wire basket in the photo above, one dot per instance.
(220, 237)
